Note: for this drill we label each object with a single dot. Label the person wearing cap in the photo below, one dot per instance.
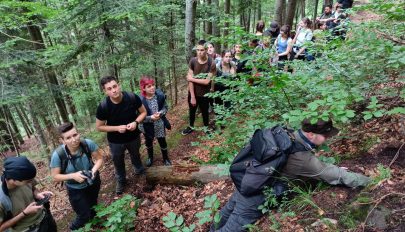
(18, 209)
(273, 31)
(242, 210)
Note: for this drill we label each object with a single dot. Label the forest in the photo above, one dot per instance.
(55, 52)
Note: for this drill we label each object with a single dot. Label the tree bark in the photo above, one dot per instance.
(183, 175)
(37, 127)
(24, 122)
(18, 139)
(215, 24)
(291, 8)
(279, 11)
(208, 24)
(191, 6)
(227, 8)
(50, 75)
(315, 14)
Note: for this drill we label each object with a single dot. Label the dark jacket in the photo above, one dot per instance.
(162, 106)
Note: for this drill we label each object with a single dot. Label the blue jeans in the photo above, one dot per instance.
(82, 202)
(118, 157)
(239, 212)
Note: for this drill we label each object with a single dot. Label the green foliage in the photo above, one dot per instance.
(384, 173)
(211, 214)
(176, 223)
(118, 216)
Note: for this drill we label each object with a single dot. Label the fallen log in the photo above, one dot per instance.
(184, 174)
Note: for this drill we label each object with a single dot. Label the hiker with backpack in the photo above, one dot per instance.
(120, 114)
(77, 163)
(155, 123)
(201, 70)
(271, 156)
(21, 208)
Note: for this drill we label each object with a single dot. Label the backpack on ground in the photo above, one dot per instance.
(261, 159)
(66, 156)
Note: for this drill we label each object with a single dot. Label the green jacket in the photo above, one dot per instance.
(305, 164)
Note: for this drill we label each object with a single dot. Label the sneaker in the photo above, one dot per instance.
(167, 162)
(119, 188)
(149, 162)
(187, 131)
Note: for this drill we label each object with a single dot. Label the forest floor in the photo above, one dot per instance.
(361, 148)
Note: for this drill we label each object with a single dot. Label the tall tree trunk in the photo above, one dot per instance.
(208, 29)
(315, 14)
(280, 9)
(50, 75)
(227, 8)
(327, 3)
(14, 128)
(24, 122)
(38, 130)
(302, 8)
(259, 10)
(291, 8)
(7, 133)
(215, 23)
(191, 6)
(172, 48)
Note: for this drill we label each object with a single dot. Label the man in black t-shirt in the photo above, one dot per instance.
(119, 115)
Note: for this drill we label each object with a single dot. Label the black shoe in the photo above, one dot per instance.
(139, 171)
(187, 131)
(167, 162)
(149, 162)
(119, 188)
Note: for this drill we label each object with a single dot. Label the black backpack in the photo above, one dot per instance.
(66, 156)
(260, 161)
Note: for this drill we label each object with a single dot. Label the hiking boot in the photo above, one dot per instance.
(139, 171)
(167, 162)
(149, 162)
(119, 188)
(187, 131)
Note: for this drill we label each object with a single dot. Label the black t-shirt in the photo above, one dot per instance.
(120, 114)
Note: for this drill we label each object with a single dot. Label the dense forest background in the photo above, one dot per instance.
(54, 52)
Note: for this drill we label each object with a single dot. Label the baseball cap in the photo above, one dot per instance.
(320, 127)
(274, 26)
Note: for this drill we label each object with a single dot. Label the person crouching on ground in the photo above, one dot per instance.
(72, 163)
(155, 123)
(18, 209)
(243, 210)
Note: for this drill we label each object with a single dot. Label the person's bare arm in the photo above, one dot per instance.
(30, 209)
(101, 126)
(98, 157)
(58, 177)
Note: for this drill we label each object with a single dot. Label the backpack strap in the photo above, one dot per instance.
(64, 155)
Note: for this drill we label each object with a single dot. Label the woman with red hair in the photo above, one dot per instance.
(155, 123)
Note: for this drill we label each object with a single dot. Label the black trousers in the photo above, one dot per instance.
(162, 143)
(203, 103)
(82, 202)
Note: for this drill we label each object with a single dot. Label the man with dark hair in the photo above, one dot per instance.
(243, 210)
(327, 17)
(18, 209)
(119, 115)
(199, 86)
(72, 163)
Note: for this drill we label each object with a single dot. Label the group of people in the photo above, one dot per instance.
(76, 163)
(125, 115)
